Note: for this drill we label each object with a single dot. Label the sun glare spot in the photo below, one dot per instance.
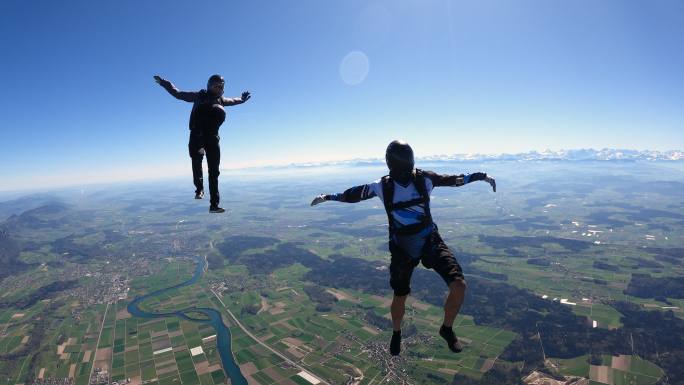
(354, 68)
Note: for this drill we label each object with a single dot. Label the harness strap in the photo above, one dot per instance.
(388, 197)
(422, 190)
(388, 200)
(405, 204)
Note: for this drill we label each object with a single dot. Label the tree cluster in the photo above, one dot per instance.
(646, 286)
(324, 301)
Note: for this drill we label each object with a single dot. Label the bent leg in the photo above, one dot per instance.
(196, 153)
(213, 162)
(197, 177)
(454, 300)
(401, 269)
(398, 309)
(444, 262)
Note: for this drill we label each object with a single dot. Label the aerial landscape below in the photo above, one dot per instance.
(574, 272)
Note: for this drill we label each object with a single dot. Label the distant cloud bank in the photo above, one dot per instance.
(606, 154)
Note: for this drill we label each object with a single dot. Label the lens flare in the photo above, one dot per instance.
(354, 68)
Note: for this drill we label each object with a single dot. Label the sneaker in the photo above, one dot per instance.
(199, 195)
(216, 209)
(395, 343)
(450, 338)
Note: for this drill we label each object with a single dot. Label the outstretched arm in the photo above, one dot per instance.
(233, 101)
(170, 88)
(459, 180)
(352, 195)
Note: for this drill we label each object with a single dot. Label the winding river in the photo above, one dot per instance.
(213, 318)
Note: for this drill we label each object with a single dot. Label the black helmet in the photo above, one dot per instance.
(215, 79)
(399, 158)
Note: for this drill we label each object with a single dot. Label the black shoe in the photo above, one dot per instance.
(199, 195)
(395, 343)
(450, 338)
(216, 209)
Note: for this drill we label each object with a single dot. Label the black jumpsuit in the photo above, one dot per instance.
(205, 120)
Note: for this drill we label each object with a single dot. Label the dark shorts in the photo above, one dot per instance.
(436, 256)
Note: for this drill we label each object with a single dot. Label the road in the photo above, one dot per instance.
(262, 343)
(104, 317)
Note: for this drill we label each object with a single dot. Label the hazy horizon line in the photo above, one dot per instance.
(158, 173)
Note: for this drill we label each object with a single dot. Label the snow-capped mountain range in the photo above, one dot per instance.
(606, 154)
(576, 155)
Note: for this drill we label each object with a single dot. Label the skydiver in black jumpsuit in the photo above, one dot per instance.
(205, 119)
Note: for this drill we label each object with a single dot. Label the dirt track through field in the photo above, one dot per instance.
(600, 374)
(621, 362)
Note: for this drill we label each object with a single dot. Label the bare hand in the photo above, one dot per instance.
(245, 96)
(491, 182)
(318, 199)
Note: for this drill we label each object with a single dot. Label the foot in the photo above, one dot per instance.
(395, 343)
(199, 195)
(216, 209)
(452, 342)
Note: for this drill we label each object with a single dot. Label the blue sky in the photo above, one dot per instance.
(78, 102)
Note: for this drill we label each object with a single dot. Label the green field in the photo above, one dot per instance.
(331, 344)
(599, 223)
(621, 370)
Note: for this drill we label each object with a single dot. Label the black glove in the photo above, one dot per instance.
(474, 177)
(162, 82)
(319, 199)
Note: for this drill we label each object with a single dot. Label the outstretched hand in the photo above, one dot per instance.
(160, 80)
(318, 199)
(245, 96)
(491, 182)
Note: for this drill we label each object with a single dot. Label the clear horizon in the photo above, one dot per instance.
(181, 171)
